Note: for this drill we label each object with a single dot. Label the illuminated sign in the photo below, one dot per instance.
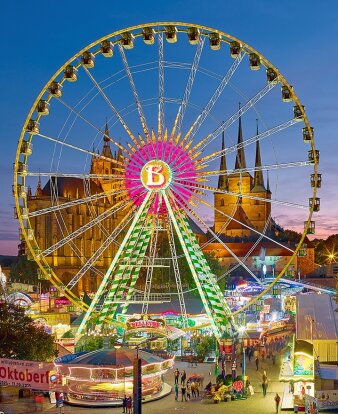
(25, 374)
(303, 365)
(290, 303)
(145, 323)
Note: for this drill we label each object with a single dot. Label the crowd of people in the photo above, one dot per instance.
(189, 387)
(127, 404)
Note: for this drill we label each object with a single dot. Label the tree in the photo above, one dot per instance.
(21, 338)
(326, 251)
(26, 271)
(92, 343)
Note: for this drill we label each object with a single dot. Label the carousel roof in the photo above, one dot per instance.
(121, 357)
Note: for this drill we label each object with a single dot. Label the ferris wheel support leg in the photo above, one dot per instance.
(177, 274)
(125, 274)
(104, 282)
(210, 286)
(193, 265)
(134, 247)
(149, 276)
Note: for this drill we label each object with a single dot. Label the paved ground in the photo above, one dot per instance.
(256, 404)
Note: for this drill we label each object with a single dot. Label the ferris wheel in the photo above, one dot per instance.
(164, 98)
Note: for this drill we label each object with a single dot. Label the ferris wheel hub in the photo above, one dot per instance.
(156, 175)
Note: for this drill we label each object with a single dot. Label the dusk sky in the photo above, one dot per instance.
(299, 37)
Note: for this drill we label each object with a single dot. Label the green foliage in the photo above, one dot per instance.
(21, 338)
(92, 343)
(289, 236)
(163, 276)
(204, 346)
(325, 248)
(26, 271)
(228, 380)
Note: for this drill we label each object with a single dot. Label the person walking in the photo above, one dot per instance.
(257, 362)
(277, 401)
(176, 375)
(124, 404)
(188, 390)
(193, 389)
(197, 388)
(273, 358)
(129, 404)
(233, 369)
(264, 383)
(183, 377)
(183, 391)
(176, 391)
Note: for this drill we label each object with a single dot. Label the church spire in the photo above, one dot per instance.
(258, 178)
(240, 157)
(38, 191)
(106, 151)
(223, 179)
(267, 183)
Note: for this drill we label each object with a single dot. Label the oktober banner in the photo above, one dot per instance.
(26, 374)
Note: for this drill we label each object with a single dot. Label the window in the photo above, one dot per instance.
(222, 202)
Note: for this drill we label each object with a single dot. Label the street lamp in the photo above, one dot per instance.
(241, 331)
(137, 378)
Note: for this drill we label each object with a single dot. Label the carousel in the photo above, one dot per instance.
(104, 377)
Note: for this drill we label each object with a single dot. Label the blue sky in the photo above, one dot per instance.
(300, 38)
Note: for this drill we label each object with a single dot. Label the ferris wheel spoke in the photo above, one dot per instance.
(161, 117)
(118, 206)
(104, 194)
(222, 243)
(77, 113)
(225, 80)
(253, 247)
(248, 141)
(209, 138)
(253, 169)
(112, 107)
(241, 195)
(92, 260)
(135, 93)
(183, 106)
(232, 218)
(94, 154)
(77, 175)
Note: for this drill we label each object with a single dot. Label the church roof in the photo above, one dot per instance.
(242, 248)
(69, 187)
(194, 227)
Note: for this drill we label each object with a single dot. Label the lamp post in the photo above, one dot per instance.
(137, 378)
(241, 331)
(137, 384)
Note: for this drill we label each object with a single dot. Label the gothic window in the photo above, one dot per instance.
(48, 231)
(222, 202)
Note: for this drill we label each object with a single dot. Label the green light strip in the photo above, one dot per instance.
(192, 262)
(112, 266)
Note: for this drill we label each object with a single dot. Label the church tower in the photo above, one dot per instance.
(238, 209)
(259, 211)
(105, 164)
